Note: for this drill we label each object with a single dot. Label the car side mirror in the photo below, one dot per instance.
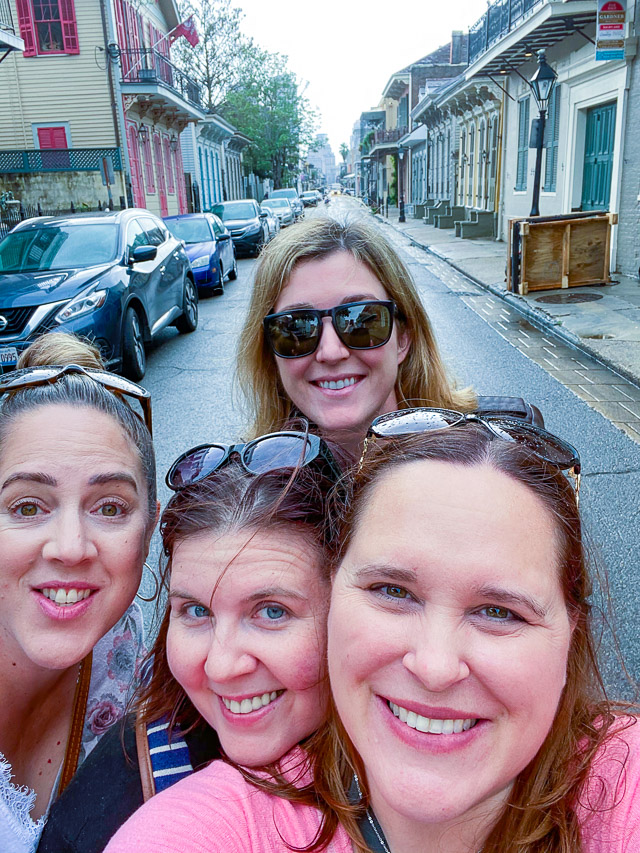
(143, 253)
(222, 237)
(263, 215)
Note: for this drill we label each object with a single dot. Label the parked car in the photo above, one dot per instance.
(292, 195)
(246, 222)
(282, 209)
(272, 220)
(117, 278)
(309, 198)
(209, 247)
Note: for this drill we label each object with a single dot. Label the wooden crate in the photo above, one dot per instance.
(559, 252)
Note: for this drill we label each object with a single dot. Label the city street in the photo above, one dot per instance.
(194, 400)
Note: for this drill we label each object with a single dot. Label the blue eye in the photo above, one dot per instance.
(272, 612)
(197, 611)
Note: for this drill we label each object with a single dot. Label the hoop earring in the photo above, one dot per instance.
(155, 580)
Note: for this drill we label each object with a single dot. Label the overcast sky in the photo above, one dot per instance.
(348, 49)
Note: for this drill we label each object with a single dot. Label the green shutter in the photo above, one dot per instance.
(523, 144)
(551, 137)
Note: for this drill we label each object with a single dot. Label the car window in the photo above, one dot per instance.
(192, 230)
(136, 236)
(57, 246)
(155, 234)
(235, 210)
(216, 225)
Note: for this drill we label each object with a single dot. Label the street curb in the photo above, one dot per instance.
(538, 318)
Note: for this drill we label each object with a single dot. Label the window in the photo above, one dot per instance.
(155, 235)
(47, 26)
(52, 137)
(168, 166)
(135, 236)
(551, 136)
(523, 144)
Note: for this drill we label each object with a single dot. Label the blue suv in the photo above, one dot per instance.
(116, 278)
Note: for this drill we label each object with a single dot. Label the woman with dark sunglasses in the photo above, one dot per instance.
(336, 331)
(238, 665)
(469, 714)
(77, 509)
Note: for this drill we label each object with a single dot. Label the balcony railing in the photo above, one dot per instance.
(57, 160)
(146, 65)
(384, 137)
(499, 19)
(6, 22)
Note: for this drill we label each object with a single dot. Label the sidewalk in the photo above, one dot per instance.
(606, 328)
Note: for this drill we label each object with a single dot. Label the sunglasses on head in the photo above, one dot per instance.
(366, 324)
(543, 444)
(33, 377)
(272, 452)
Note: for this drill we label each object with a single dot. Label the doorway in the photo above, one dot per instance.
(598, 157)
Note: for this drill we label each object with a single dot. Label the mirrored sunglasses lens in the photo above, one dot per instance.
(420, 420)
(115, 381)
(278, 451)
(364, 326)
(294, 334)
(26, 375)
(546, 446)
(195, 466)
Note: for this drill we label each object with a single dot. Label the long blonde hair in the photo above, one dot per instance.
(422, 377)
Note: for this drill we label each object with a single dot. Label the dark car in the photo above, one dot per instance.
(209, 248)
(116, 278)
(246, 222)
(309, 198)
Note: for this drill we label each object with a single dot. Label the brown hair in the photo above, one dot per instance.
(59, 349)
(540, 816)
(229, 501)
(422, 378)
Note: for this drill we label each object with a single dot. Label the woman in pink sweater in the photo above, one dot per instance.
(469, 711)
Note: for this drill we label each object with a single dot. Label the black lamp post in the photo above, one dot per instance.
(401, 152)
(542, 84)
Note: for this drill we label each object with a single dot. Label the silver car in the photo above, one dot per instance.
(282, 209)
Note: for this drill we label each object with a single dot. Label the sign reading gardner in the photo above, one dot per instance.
(610, 29)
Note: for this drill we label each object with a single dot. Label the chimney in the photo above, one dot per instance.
(455, 56)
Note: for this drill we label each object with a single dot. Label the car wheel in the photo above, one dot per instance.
(188, 321)
(233, 272)
(219, 287)
(134, 357)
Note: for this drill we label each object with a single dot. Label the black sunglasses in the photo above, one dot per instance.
(359, 325)
(267, 453)
(544, 444)
(33, 377)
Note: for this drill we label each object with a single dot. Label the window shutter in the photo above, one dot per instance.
(552, 135)
(69, 28)
(27, 31)
(168, 166)
(52, 137)
(523, 144)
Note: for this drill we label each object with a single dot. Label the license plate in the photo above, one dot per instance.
(8, 355)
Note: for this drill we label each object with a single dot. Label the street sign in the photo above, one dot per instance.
(610, 30)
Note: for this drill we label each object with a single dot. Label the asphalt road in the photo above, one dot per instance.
(191, 379)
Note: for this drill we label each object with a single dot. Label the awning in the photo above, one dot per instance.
(416, 137)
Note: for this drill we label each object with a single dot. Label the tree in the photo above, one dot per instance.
(224, 59)
(344, 151)
(271, 111)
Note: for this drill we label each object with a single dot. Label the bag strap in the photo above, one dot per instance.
(144, 759)
(74, 740)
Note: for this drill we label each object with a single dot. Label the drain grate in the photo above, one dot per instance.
(566, 298)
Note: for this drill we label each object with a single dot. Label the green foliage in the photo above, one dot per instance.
(344, 151)
(279, 120)
(224, 59)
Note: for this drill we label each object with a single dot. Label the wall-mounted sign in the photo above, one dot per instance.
(610, 29)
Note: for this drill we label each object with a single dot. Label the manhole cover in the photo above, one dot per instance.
(565, 298)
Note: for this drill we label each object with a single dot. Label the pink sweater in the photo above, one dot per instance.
(216, 811)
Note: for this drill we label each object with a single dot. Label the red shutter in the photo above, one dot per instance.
(168, 165)
(52, 137)
(27, 30)
(69, 28)
(137, 185)
(162, 192)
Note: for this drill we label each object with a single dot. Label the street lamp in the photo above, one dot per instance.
(401, 152)
(542, 84)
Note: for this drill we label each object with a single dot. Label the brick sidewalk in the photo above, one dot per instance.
(607, 329)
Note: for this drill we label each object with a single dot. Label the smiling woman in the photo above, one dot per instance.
(77, 509)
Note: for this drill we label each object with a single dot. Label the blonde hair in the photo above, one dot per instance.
(422, 378)
(60, 348)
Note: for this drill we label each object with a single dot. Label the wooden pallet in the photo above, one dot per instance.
(571, 252)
